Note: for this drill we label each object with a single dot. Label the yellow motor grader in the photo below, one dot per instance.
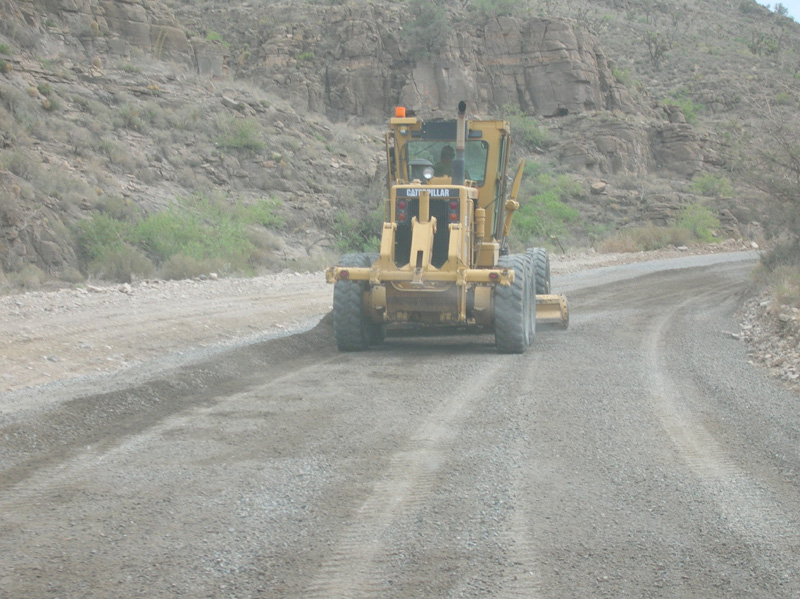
(443, 257)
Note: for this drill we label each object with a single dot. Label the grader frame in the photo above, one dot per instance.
(443, 257)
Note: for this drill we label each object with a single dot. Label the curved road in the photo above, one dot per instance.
(636, 454)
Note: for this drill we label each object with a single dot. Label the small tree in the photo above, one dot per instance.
(657, 47)
(428, 30)
(777, 172)
(781, 10)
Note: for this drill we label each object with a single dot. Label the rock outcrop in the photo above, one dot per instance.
(122, 29)
(120, 60)
(364, 59)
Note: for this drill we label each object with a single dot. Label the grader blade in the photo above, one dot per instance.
(552, 311)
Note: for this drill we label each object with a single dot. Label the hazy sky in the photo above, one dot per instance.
(792, 5)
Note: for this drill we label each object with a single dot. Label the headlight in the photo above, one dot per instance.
(427, 172)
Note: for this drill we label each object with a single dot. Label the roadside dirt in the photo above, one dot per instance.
(99, 330)
(51, 336)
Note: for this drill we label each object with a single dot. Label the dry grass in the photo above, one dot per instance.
(786, 285)
(779, 271)
(646, 238)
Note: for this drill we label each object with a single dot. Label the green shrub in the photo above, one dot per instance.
(213, 36)
(749, 7)
(428, 30)
(525, 128)
(354, 234)
(687, 106)
(762, 44)
(170, 232)
(711, 186)
(543, 212)
(240, 134)
(129, 117)
(623, 76)
(101, 235)
(700, 221)
(202, 233)
(262, 213)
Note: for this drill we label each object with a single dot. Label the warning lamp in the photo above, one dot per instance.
(400, 111)
(402, 210)
(452, 214)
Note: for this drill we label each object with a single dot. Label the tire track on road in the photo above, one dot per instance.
(522, 578)
(358, 562)
(749, 509)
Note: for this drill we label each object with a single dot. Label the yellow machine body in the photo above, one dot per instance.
(440, 258)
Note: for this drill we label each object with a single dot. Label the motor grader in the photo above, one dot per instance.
(443, 259)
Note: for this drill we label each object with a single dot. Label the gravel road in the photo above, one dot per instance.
(636, 454)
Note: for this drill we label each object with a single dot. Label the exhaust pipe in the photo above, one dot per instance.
(458, 170)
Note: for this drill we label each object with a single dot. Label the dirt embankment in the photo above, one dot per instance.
(50, 336)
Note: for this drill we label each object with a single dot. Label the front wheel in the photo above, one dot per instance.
(351, 328)
(512, 307)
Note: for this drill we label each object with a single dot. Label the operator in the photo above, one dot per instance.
(445, 164)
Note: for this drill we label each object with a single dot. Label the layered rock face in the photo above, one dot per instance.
(363, 60)
(548, 68)
(100, 28)
(356, 60)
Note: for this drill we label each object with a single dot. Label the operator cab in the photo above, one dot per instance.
(427, 159)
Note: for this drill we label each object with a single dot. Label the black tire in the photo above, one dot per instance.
(512, 310)
(532, 298)
(541, 261)
(351, 329)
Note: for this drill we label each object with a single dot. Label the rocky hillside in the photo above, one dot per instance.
(124, 108)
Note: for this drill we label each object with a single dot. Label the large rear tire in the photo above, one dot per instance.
(541, 262)
(351, 328)
(532, 299)
(512, 309)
